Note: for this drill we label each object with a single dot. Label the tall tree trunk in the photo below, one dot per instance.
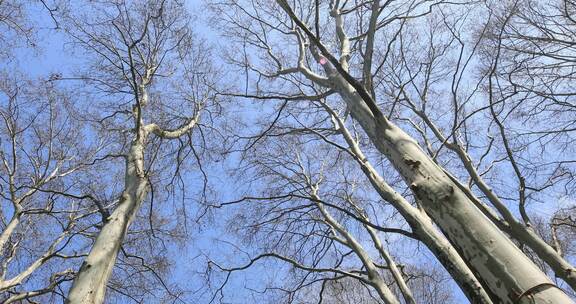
(497, 262)
(89, 287)
(518, 230)
(503, 268)
(523, 233)
(420, 223)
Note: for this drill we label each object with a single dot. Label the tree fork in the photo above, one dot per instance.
(507, 272)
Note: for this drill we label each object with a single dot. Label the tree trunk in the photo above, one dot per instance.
(521, 232)
(524, 234)
(420, 224)
(503, 268)
(89, 287)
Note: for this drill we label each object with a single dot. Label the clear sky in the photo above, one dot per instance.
(53, 54)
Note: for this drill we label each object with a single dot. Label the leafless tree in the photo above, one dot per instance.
(154, 81)
(44, 209)
(383, 151)
(15, 26)
(309, 217)
(420, 43)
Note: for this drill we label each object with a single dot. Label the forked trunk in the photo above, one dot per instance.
(502, 267)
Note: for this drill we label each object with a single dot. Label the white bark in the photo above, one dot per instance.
(396, 273)
(172, 134)
(504, 270)
(90, 284)
(502, 267)
(89, 287)
(420, 223)
(13, 224)
(10, 228)
(511, 225)
(22, 276)
(374, 277)
(526, 234)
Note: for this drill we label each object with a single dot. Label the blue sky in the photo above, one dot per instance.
(54, 56)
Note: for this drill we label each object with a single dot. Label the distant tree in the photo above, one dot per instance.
(15, 26)
(43, 157)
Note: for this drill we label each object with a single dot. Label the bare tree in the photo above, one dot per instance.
(318, 236)
(372, 142)
(42, 156)
(534, 44)
(156, 83)
(313, 62)
(15, 26)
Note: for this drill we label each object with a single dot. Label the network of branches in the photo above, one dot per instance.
(287, 151)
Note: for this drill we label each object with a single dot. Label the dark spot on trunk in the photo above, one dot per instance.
(414, 164)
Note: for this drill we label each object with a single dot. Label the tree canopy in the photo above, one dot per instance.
(287, 151)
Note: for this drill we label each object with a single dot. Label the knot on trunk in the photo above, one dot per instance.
(414, 164)
(84, 266)
(432, 193)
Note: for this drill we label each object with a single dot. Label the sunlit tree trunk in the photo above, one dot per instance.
(131, 39)
(502, 267)
(497, 262)
(419, 222)
(90, 284)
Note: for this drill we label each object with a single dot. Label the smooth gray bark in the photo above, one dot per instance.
(502, 267)
(419, 222)
(89, 287)
(520, 231)
(508, 274)
(526, 234)
(90, 284)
